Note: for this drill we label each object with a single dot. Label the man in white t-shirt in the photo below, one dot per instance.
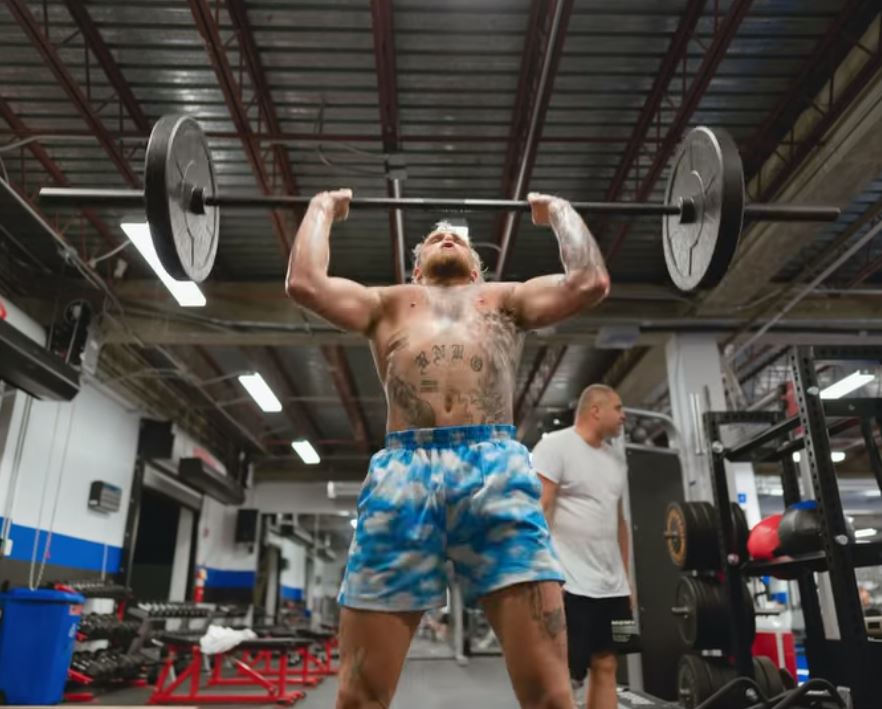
(583, 480)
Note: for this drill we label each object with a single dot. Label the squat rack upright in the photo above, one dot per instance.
(853, 660)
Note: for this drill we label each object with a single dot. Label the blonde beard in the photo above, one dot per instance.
(444, 269)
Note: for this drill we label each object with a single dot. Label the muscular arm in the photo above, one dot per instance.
(344, 303)
(585, 282)
(549, 497)
(624, 538)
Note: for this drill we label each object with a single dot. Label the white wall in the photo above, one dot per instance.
(66, 446)
(326, 580)
(293, 578)
(217, 547)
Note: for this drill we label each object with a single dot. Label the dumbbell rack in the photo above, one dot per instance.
(100, 656)
(153, 616)
(854, 659)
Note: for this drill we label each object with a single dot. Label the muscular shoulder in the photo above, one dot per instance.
(391, 297)
(499, 293)
(399, 292)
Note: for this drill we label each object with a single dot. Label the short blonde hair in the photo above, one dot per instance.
(452, 229)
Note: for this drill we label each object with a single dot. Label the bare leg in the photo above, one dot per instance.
(373, 646)
(529, 620)
(602, 681)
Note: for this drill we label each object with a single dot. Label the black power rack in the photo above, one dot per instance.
(854, 659)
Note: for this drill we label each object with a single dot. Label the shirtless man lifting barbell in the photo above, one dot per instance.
(452, 482)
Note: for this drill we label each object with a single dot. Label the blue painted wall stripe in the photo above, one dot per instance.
(64, 550)
(291, 593)
(223, 578)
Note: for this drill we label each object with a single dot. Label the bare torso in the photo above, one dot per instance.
(447, 356)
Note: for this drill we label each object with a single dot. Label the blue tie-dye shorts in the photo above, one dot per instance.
(464, 493)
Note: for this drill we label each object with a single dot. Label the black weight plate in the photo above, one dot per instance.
(698, 678)
(767, 676)
(706, 169)
(742, 531)
(787, 680)
(693, 681)
(177, 161)
(687, 603)
(702, 614)
(705, 554)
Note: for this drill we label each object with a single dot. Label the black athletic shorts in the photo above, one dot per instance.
(589, 628)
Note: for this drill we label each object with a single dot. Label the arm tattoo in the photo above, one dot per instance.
(578, 249)
(417, 412)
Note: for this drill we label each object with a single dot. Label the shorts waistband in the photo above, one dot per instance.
(449, 435)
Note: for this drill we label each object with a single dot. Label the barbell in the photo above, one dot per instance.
(702, 215)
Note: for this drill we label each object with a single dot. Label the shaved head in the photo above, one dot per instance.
(594, 394)
(600, 412)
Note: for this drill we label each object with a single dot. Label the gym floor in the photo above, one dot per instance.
(429, 684)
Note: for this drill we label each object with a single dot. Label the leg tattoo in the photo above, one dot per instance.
(553, 622)
(358, 678)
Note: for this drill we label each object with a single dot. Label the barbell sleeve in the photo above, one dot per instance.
(790, 213)
(97, 198)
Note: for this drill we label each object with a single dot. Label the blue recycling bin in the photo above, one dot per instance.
(37, 634)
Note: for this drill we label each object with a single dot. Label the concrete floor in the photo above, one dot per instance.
(427, 684)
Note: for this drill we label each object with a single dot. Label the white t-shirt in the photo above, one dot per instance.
(585, 516)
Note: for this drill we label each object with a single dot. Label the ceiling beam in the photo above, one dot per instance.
(209, 29)
(542, 372)
(677, 52)
(31, 27)
(535, 86)
(344, 382)
(847, 156)
(260, 87)
(96, 44)
(387, 89)
(799, 95)
(194, 361)
(310, 138)
(239, 17)
(266, 361)
(203, 15)
(715, 53)
(21, 131)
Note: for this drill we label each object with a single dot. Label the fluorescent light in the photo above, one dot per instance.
(307, 453)
(853, 381)
(260, 392)
(872, 493)
(867, 532)
(186, 293)
(353, 522)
